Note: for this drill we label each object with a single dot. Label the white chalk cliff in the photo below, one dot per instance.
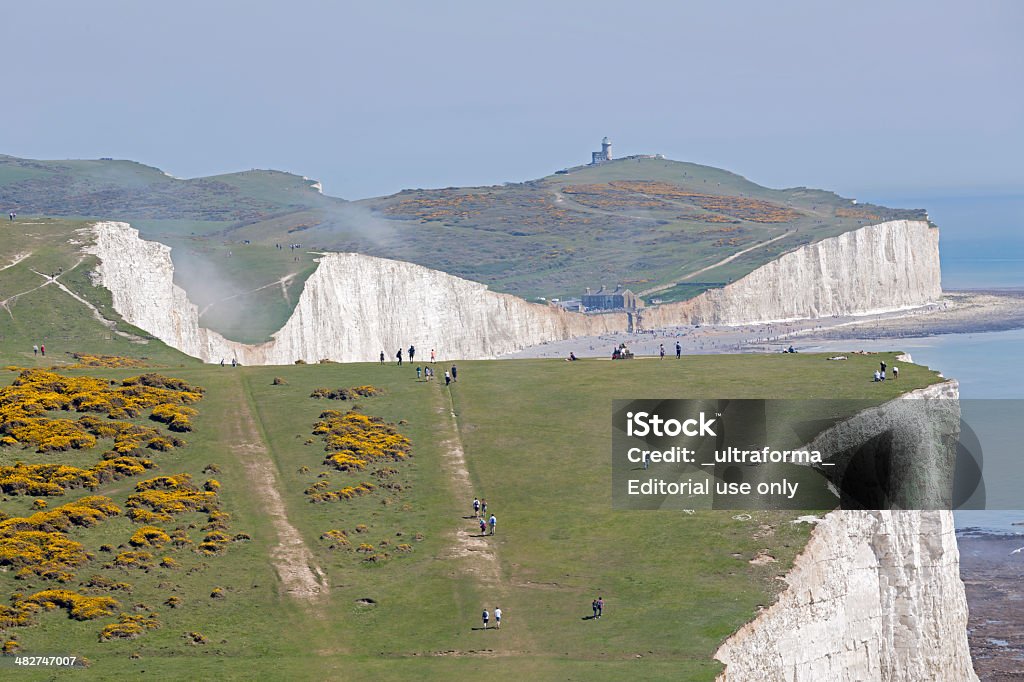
(878, 268)
(875, 595)
(352, 307)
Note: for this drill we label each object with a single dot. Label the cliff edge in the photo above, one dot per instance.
(352, 307)
(879, 268)
(875, 595)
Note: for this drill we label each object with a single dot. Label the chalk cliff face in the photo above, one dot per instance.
(878, 268)
(351, 308)
(875, 595)
(354, 306)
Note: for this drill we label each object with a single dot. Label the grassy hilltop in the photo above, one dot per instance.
(532, 437)
(657, 226)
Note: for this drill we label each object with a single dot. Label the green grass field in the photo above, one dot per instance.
(533, 437)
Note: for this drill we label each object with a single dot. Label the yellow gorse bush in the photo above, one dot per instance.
(338, 538)
(366, 391)
(41, 553)
(37, 545)
(353, 438)
(318, 492)
(177, 417)
(24, 404)
(86, 512)
(149, 536)
(113, 361)
(157, 499)
(134, 560)
(129, 626)
(56, 479)
(79, 606)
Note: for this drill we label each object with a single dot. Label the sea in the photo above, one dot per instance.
(981, 246)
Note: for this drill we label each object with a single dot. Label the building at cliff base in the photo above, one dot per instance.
(602, 299)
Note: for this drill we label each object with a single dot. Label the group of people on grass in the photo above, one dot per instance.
(661, 351)
(426, 372)
(480, 512)
(497, 617)
(39, 349)
(412, 355)
(880, 372)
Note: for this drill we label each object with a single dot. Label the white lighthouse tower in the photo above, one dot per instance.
(604, 155)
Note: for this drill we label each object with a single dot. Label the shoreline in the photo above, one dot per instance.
(991, 574)
(957, 312)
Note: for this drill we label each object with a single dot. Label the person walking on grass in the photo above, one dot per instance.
(412, 352)
(35, 349)
(455, 373)
(679, 351)
(476, 507)
(42, 349)
(486, 616)
(432, 356)
(447, 378)
(399, 356)
(497, 617)
(483, 507)
(661, 350)
(419, 373)
(493, 521)
(593, 607)
(895, 372)
(483, 526)
(382, 357)
(600, 607)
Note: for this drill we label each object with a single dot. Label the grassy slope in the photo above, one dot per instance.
(536, 437)
(532, 239)
(46, 315)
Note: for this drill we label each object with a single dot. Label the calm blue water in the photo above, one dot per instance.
(981, 246)
(987, 366)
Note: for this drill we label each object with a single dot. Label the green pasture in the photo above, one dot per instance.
(536, 437)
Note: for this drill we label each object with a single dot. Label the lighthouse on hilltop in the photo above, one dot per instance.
(604, 155)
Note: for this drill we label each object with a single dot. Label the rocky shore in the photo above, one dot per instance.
(992, 572)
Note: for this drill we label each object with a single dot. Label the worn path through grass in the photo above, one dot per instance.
(300, 576)
(474, 551)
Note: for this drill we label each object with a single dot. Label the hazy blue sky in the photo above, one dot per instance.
(372, 97)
